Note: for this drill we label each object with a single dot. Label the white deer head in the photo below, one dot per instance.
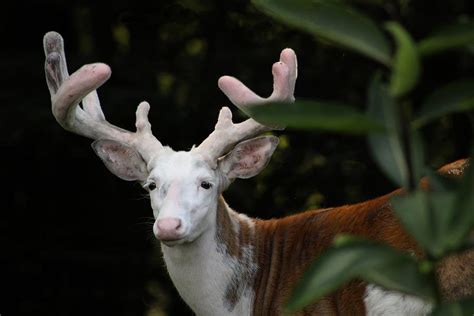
(184, 186)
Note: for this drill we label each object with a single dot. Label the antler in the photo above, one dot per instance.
(226, 134)
(68, 91)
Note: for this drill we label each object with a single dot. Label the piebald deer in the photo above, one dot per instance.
(223, 262)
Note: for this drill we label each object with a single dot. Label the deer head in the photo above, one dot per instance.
(184, 186)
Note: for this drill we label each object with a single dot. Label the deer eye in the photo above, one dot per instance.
(206, 185)
(150, 186)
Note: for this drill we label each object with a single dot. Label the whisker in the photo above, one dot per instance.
(142, 196)
(147, 219)
(149, 235)
(144, 224)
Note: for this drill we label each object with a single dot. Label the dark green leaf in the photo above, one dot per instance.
(439, 182)
(355, 258)
(439, 221)
(461, 308)
(416, 216)
(454, 97)
(315, 115)
(332, 21)
(387, 147)
(417, 156)
(450, 37)
(406, 66)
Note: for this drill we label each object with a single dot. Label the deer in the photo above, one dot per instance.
(223, 262)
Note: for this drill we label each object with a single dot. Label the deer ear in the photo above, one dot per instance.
(122, 160)
(248, 158)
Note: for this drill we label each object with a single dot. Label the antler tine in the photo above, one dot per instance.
(226, 134)
(284, 73)
(68, 91)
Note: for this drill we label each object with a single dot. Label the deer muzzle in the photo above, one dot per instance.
(168, 229)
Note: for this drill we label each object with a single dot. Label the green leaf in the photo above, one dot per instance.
(439, 221)
(450, 37)
(439, 182)
(417, 214)
(315, 115)
(417, 156)
(406, 65)
(356, 258)
(461, 308)
(454, 97)
(333, 21)
(386, 148)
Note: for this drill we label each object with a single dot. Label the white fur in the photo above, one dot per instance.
(380, 302)
(201, 274)
(199, 269)
(207, 277)
(178, 176)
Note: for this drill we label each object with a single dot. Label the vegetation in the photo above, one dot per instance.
(442, 219)
(77, 239)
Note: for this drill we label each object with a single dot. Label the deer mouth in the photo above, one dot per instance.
(172, 242)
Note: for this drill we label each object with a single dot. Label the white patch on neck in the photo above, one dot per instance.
(240, 282)
(201, 275)
(380, 302)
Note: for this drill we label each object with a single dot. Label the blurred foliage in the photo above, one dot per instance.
(440, 219)
(77, 240)
(381, 265)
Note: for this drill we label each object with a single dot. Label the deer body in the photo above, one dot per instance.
(222, 262)
(244, 266)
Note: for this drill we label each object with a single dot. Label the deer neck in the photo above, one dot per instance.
(215, 273)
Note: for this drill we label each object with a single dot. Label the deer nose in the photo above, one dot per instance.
(168, 229)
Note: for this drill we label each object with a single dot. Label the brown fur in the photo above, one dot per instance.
(283, 249)
(292, 243)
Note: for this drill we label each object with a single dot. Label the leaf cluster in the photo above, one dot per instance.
(440, 219)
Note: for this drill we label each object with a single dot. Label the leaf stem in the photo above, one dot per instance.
(405, 130)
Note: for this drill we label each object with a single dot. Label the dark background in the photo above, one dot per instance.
(75, 240)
